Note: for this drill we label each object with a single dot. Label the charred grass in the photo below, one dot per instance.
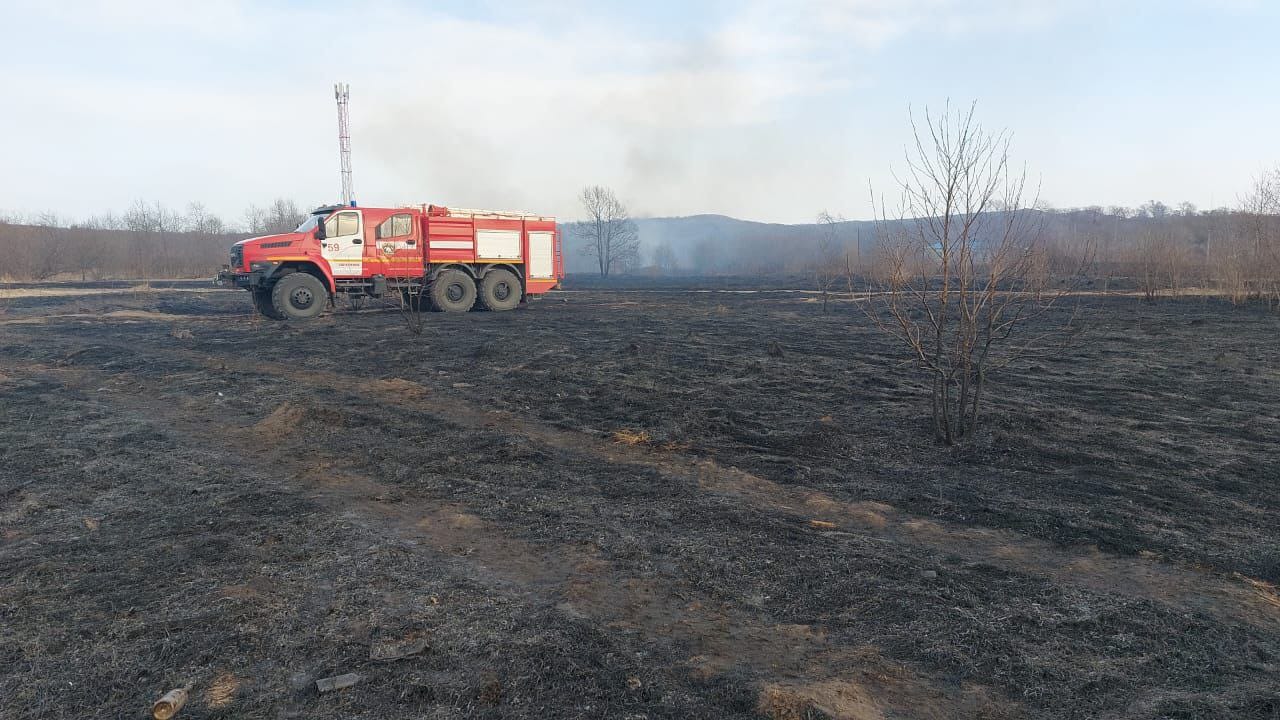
(252, 506)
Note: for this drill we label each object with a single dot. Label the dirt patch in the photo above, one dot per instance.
(408, 388)
(880, 690)
(289, 419)
(284, 421)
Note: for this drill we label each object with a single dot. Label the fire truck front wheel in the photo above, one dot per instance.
(298, 296)
(453, 291)
(262, 303)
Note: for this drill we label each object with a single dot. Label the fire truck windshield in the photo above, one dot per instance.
(310, 223)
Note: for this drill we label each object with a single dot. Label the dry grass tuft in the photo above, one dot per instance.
(626, 436)
(781, 704)
(1265, 590)
(223, 690)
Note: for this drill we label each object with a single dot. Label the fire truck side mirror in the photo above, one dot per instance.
(320, 234)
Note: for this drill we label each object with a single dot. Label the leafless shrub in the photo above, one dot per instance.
(957, 264)
(410, 301)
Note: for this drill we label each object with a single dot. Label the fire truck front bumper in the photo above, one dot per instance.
(246, 280)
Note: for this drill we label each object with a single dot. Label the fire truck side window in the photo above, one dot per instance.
(396, 226)
(347, 223)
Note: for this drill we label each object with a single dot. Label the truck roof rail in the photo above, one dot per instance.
(473, 212)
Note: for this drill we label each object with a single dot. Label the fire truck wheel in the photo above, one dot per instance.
(500, 290)
(262, 303)
(453, 291)
(298, 296)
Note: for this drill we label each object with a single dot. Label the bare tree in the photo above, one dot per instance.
(281, 216)
(152, 226)
(52, 253)
(201, 222)
(92, 250)
(1260, 211)
(609, 235)
(826, 262)
(1153, 209)
(955, 271)
(1152, 258)
(1231, 265)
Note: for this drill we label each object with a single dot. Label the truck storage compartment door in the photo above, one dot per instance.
(450, 240)
(541, 255)
(497, 245)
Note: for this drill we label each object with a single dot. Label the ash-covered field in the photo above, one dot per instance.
(622, 504)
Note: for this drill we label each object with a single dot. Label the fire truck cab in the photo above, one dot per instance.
(435, 257)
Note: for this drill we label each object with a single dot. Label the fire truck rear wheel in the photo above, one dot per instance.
(298, 296)
(453, 291)
(262, 303)
(500, 290)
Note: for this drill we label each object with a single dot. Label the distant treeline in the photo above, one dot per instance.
(1156, 247)
(148, 240)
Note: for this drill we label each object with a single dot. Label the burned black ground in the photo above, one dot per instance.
(192, 495)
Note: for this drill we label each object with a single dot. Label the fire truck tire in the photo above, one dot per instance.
(298, 296)
(452, 291)
(262, 303)
(500, 290)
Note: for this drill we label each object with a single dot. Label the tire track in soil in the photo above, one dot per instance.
(798, 670)
(1232, 597)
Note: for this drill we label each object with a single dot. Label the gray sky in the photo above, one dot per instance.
(762, 109)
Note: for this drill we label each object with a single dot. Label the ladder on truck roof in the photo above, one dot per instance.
(472, 212)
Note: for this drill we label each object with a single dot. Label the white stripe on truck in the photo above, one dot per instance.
(450, 244)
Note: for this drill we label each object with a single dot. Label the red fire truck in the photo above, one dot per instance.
(446, 259)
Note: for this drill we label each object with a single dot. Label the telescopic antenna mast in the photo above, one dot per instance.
(342, 93)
